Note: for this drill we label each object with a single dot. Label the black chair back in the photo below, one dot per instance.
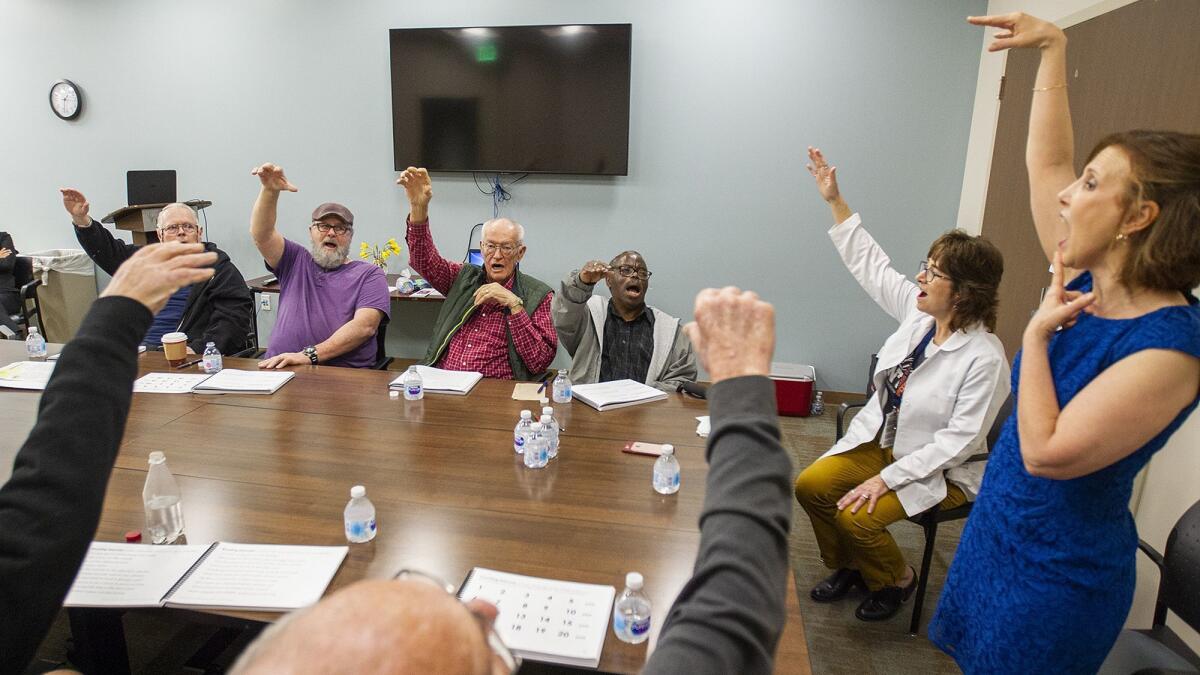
(1179, 590)
(382, 360)
(22, 271)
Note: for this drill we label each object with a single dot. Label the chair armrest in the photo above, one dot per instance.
(28, 289)
(1154, 556)
(841, 416)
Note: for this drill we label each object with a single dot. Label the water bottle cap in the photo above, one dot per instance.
(211, 344)
(358, 491)
(633, 580)
(547, 410)
(545, 420)
(537, 426)
(526, 415)
(33, 330)
(157, 457)
(412, 369)
(668, 449)
(562, 372)
(393, 394)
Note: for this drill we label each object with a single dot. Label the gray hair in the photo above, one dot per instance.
(174, 205)
(496, 221)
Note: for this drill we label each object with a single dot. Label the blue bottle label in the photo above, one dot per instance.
(414, 391)
(640, 627)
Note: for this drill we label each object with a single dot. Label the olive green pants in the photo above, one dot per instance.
(858, 540)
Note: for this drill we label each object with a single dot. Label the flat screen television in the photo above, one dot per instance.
(512, 99)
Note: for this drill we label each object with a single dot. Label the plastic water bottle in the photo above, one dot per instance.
(631, 612)
(359, 517)
(818, 405)
(536, 452)
(522, 432)
(414, 386)
(666, 472)
(161, 499)
(212, 359)
(555, 430)
(561, 388)
(35, 345)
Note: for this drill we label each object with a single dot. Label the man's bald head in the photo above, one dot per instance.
(405, 626)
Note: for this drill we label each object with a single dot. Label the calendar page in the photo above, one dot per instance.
(544, 619)
(167, 383)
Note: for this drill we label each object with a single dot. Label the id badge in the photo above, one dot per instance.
(888, 435)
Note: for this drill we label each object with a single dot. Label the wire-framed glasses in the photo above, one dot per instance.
(630, 271)
(930, 271)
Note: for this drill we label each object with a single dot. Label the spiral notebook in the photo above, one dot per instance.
(223, 575)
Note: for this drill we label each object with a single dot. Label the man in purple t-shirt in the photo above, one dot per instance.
(329, 306)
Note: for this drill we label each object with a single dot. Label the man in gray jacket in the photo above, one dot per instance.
(622, 337)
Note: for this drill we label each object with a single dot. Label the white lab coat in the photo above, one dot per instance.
(950, 400)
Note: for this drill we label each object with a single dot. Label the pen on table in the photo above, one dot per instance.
(543, 385)
(189, 363)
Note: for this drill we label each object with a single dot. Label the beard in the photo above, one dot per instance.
(330, 259)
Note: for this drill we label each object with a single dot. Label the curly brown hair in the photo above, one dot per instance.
(1166, 170)
(974, 266)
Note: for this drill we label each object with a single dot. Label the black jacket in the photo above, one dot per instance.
(9, 293)
(50, 507)
(219, 310)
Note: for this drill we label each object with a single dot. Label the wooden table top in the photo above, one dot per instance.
(268, 284)
(449, 492)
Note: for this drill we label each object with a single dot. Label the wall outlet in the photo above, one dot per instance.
(264, 302)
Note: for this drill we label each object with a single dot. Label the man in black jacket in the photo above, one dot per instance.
(50, 506)
(219, 310)
(728, 617)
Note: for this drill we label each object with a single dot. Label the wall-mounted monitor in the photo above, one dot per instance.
(512, 99)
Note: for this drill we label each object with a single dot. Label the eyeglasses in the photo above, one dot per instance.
(506, 249)
(929, 272)
(326, 228)
(179, 227)
(499, 649)
(630, 271)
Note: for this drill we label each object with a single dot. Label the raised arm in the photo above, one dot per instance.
(267, 239)
(423, 256)
(105, 250)
(863, 257)
(570, 304)
(1050, 150)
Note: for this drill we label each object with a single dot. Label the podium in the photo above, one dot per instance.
(142, 219)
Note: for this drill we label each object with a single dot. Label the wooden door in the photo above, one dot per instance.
(1134, 67)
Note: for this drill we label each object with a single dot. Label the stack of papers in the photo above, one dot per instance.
(230, 381)
(616, 394)
(27, 374)
(438, 381)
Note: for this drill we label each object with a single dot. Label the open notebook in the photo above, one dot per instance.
(616, 394)
(254, 577)
(545, 619)
(438, 381)
(227, 381)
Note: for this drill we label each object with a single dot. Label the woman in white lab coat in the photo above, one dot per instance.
(940, 380)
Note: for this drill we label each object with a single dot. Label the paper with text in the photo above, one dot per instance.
(129, 575)
(260, 577)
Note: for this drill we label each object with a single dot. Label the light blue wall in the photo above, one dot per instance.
(725, 97)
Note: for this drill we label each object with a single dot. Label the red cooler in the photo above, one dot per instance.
(793, 388)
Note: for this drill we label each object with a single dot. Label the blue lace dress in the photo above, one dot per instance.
(1044, 574)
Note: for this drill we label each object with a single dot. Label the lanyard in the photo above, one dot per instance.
(899, 378)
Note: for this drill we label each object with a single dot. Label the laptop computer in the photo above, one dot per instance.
(150, 187)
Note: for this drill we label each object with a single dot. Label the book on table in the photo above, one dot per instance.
(616, 394)
(223, 575)
(545, 619)
(230, 381)
(439, 381)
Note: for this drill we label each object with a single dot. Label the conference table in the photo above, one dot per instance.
(449, 491)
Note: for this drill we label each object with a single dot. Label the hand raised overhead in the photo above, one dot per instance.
(1020, 31)
(825, 175)
(76, 205)
(417, 185)
(734, 333)
(272, 178)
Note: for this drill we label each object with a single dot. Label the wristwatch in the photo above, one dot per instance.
(311, 352)
(519, 307)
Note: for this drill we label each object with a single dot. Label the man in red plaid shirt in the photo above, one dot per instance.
(496, 320)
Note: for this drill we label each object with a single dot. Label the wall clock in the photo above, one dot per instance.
(65, 99)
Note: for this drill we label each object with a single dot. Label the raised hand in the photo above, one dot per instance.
(823, 174)
(272, 178)
(419, 188)
(76, 205)
(734, 333)
(156, 271)
(1020, 31)
(1059, 307)
(593, 271)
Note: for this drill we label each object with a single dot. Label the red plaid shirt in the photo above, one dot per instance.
(481, 345)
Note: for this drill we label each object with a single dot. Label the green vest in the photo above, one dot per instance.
(460, 303)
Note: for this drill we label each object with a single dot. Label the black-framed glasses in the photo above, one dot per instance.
(499, 650)
(630, 271)
(930, 271)
(326, 228)
(507, 248)
(180, 227)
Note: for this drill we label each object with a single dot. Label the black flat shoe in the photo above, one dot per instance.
(837, 585)
(883, 604)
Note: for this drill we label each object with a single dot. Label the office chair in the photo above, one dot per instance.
(382, 360)
(1159, 649)
(27, 286)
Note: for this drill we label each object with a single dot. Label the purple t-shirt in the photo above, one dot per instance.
(315, 302)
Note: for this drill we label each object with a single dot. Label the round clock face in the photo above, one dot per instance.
(65, 100)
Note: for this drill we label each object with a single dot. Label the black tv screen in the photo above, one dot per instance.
(520, 99)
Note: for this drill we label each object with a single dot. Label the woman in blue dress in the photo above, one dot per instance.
(1110, 367)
